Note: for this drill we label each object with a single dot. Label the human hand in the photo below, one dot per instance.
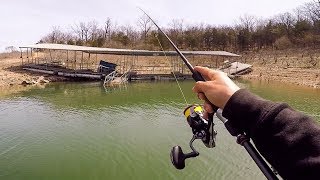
(218, 87)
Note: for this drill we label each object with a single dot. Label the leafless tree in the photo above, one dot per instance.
(176, 24)
(10, 49)
(82, 31)
(107, 29)
(312, 10)
(145, 26)
(176, 29)
(248, 22)
(300, 14)
(287, 20)
(56, 36)
(93, 30)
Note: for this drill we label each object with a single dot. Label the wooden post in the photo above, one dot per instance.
(132, 62)
(28, 55)
(21, 56)
(137, 60)
(124, 64)
(97, 61)
(67, 59)
(81, 65)
(31, 55)
(216, 63)
(47, 60)
(50, 55)
(182, 67)
(75, 60)
(89, 60)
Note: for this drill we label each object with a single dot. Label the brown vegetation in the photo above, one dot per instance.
(300, 28)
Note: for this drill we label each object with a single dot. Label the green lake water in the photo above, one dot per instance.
(84, 131)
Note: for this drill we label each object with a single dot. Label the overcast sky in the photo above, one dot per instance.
(26, 21)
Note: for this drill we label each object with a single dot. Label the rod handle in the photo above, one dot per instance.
(198, 77)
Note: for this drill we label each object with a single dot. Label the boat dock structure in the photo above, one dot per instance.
(96, 63)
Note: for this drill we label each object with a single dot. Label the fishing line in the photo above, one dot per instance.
(165, 55)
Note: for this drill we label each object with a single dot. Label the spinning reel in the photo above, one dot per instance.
(201, 128)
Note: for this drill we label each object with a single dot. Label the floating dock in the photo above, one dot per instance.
(90, 75)
(60, 71)
(237, 68)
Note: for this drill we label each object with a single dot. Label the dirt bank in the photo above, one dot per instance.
(14, 79)
(298, 76)
(10, 75)
(294, 66)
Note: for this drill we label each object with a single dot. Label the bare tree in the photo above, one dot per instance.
(93, 30)
(248, 22)
(312, 10)
(10, 49)
(176, 24)
(300, 14)
(82, 31)
(56, 36)
(287, 20)
(107, 29)
(145, 25)
(131, 32)
(176, 29)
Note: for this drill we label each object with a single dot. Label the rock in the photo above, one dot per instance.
(41, 80)
(24, 83)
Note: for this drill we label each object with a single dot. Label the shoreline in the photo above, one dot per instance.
(14, 78)
(307, 77)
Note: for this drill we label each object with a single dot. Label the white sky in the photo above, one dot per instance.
(26, 21)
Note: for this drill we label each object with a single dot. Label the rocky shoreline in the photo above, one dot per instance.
(14, 79)
(298, 76)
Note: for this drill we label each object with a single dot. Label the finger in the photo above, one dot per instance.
(205, 115)
(207, 106)
(207, 74)
(201, 87)
(201, 96)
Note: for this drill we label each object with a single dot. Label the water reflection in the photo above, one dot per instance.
(115, 87)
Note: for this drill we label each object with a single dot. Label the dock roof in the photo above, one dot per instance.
(97, 50)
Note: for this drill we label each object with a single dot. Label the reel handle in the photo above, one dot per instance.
(178, 157)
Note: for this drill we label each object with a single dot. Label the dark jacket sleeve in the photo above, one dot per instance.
(289, 140)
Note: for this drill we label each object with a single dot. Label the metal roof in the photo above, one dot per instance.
(97, 50)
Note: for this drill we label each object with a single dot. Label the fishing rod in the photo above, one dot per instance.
(203, 128)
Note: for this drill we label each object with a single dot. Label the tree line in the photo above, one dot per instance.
(299, 28)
